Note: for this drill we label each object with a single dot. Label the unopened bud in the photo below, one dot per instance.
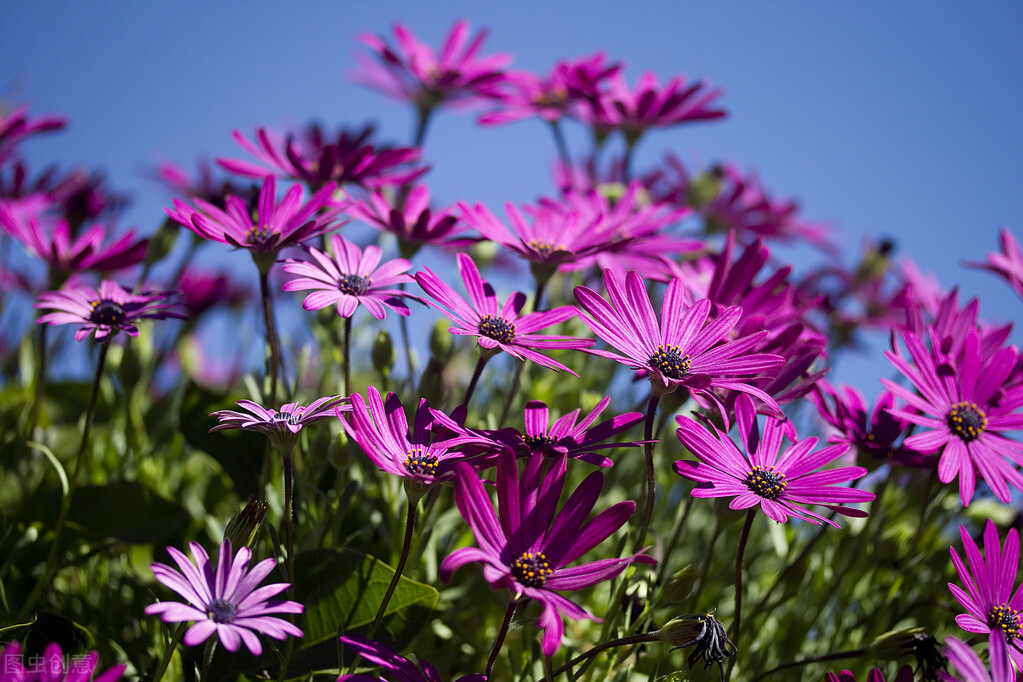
(705, 187)
(383, 353)
(440, 341)
(244, 526)
(894, 644)
(679, 585)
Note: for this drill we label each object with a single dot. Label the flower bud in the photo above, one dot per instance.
(440, 341)
(244, 526)
(383, 353)
(679, 585)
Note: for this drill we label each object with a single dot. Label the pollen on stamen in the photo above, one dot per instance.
(966, 420)
(670, 362)
(107, 312)
(1006, 619)
(419, 463)
(221, 611)
(260, 236)
(354, 285)
(531, 569)
(767, 483)
(497, 328)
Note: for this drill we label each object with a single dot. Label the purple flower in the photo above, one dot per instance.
(414, 224)
(349, 278)
(105, 311)
(1008, 264)
(50, 667)
(15, 126)
(528, 548)
(968, 664)
(276, 226)
(202, 290)
(759, 476)
(402, 668)
(680, 350)
(382, 431)
(965, 405)
(905, 674)
(992, 605)
(227, 602)
(280, 426)
(413, 72)
(497, 327)
(317, 160)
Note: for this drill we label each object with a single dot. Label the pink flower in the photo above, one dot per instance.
(414, 224)
(105, 311)
(1008, 264)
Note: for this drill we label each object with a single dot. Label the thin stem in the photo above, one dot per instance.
(834, 656)
(676, 538)
(422, 123)
(651, 480)
(516, 381)
(743, 537)
(621, 641)
(289, 510)
(559, 140)
(410, 522)
(701, 578)
(408, 346)
(271, 334)
(347, 356)
(168, 653)
(548, 669)
(500, 635)
(65, 507)
(40, 381)
(475, 377)
(207, 658)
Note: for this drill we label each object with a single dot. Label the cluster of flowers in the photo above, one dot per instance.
(733, 333)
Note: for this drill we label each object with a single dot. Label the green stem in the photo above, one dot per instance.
(548, 669)
(513, 391)
(271, 334)
(408, 347)
(500, 635)
(559, 141)
(422, 123)
(348, 356)
(207, 658)
(65, 507)
(622, 641)
(743, 537)
(480, 364)
(410, 523)
(168, 653)
(40, 382)
(676, 537)
(289, 511)
(651, 479)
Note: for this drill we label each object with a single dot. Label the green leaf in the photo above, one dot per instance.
(54, 461)
(343, 589)
(126, 511)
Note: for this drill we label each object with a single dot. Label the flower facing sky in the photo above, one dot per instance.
(104, 311)
(50, 667)
(227, 601)
(497, 327)
(400, 667)
(965, 404)
(992, 602)
(683, 349)
(1007, 264)
(527, 548)
(280, 426)
(348, 278)
(779, 483)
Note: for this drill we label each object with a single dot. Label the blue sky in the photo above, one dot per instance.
(884, 118)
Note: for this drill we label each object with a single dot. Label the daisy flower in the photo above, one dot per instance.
(1008, 264)
(400, 667)
(527, 548)
(968, 664)
(992, 603)
(104, 311)
(413, 223)
(280, 426)
(965, 404)
(226, 601)
(497, 327)
(759, 476)
(350, 277)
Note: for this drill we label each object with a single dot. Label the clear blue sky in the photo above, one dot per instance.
(884, 118)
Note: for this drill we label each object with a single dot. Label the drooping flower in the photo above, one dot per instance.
(276, 225)
(704, 631)
(968, 664)
(759, 475)
(992, 601)
(527, 548)
(348, 278)
(413, 72)
(401, 668)
(414, 224)
(50, 666)
(227, 601)
(680, 350)
(382, 431)
(105, 311)
(497, 327)
(965, 404)
(1007, 264)
(280, 426)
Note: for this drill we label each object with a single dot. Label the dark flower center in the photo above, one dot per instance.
(544, 249)
(967, 421)
(767, 483)
(221, 611)
(531, 569)
(1005, 619)
(260, 236)
(107, 312)
(497, 328)
(419, 463)
(354, 285)
(287, 417)
(555, 98)
(536, 442)
(670, 362)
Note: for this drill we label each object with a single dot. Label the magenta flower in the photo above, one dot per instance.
(202, 290)
(759, 476)
(527, 547)
(50, 666)
(968, 664)
(905, 674)
(496, 327)
(993, 608)
(52, 241)
(280, 426)
(317, 160)
(276, 226)
(348, 278)
(400, 667)
(413, 72)
(228, 601)
(965, 406)
(15, 126)
(1008, 264)
(105, 311)
(680, 350)
(414, 224)
(382, 431)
